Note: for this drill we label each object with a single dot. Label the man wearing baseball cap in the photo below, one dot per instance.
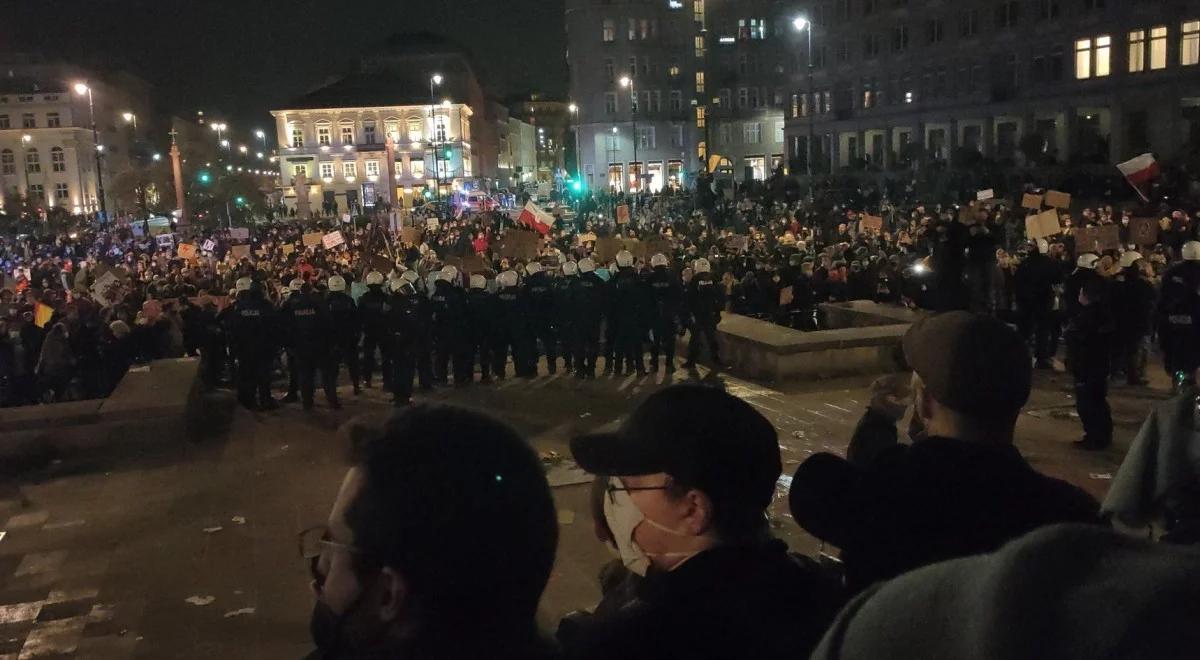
(691, 473)
(962, 488)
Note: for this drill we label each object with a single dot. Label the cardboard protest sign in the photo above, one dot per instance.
(1042, 225)
(159, 230)
(738, 243)
(966, 215)
(785, 296)
(186, 251)
(635, 247)
(1143, 231)
(241, 252)
(432, 224)
(165, 240)
(656, 245)
(588, 237)
(469, 265)
(1058, 200)
(381, 264)
(239, 234)
(332, 240)
(312, 238)
(287, 249)
(1030, 201)
(410, 235)
(623, 214)
(1097, 239)
(607, 249)
(520, 245)
(209, 245)
(871, 223)
(107, 290)
(984, 195)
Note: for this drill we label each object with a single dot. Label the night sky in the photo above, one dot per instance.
(239, 58)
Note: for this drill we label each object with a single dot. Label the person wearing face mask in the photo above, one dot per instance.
(398, 570)
(690, 475)
(961, 487)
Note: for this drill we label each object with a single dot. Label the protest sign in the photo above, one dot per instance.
(1097, 239)
(587, 238)
(1042, 225)
(312, 238)
(607, 249)
(410, 235)
(1033, 202)
(656, 245)
(287, 248)
(332, 240)
(1058, 200)
(984, 195)
(241, 251)
(165, 240)
(871, 223)
(186, 251)
(107, 289)
(239, 234)
(738, 243)
(623, 214)
(470, 265)
(1143, 231)
(433, 224)
(382, 264)
(520, 245)
(209, 245)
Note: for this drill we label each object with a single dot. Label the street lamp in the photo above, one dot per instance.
(627, 81)
(435, 80)
(262, 136)
(130, 118)
(802, 24)
(242, 148)
(220, 129)
(83, 89)
(225, 143)
(157, 157)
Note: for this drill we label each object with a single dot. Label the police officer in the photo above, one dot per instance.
(588, 300)
(1178, 317)
(344, 318)
(289, 344)
(629, 307)
(704, 304)
(540, 301)
(1090, 326)
(667, 295)
(448, 312)
(404, 327)
(372, 308)
(567, 333)
(481, 313)
(423, 340)
(306, 320)
(510, 327)
(1034, 282)
(251, 324)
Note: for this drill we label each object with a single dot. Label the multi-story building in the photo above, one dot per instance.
(1069, 81)
(47, 150)
(643, 133)
(410, 122)
(552, 120)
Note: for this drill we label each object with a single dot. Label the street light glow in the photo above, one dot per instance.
(27, 138)
(437, 78)
(259, 155)
(445, 103)
(157, 157)
(225, 143)
(127, 116)
(625, 81)
(800, 23)
(614, 130)
(572, 108)
(81, 89)
(260, 134)
(242, 148)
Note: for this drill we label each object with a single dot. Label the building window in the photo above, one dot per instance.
(935, 30)
(632, 32)
(899, 37)
(676, 100)
(699, 82)
(1007, 14)
(758, 167)
(1137, 51)
(1048, 10)
(372, 168)
(1092, 57)
(754, 99)
(326, 171)
(724, 134)
(24, 99)
(391, 129)
(634, 104)
(418, 169)
(1189, 44)
(414, 130)
(53, 120)
(297, 136)
(968, 23)
(616, 176)
(350, 170)
(743, 97)
(725, 98)
(752, 28)
(58, 160)
(610, 103)
(701, 117)
(37, 191)
(646, 137)
(752, 132)
(673, 70)
(33, 162)
(440, 129)
(300, 169)
(609, 31)
(676, 135)
(347, 132)
(61, 193)
(1158, 47)
(28, 120)
(369, 132)
(8, 163)
(610, 69)
(612, 142)
(324, 134)
(778, 137)
(4, 122)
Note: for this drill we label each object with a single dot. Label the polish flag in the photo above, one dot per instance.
(1139, 171)
(536, 219)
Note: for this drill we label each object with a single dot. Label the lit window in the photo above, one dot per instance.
(700, 116)
(609, 33)
(53, 120)
(33, 162)
(908, 97)
(8, 163)
(327, 171)
(323, 134)
(646, 137)
(673, 71)
(418, 169)
(58, 160)
(699, 46)
(1158, 48)
(699, 82)
(1103, 55)
(350, 169)
(752, 132)
(778, 131)
(1189, 44)
(440, 132)
(297, 136)
(372, 168)
(414, 130)
(300, 169)
(61, 193)
(347, 131)
(1137, 51)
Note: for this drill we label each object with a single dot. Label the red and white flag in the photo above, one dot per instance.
(536, 219)
(1139, 172)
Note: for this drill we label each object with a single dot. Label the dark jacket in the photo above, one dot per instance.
(727, 602)
(1034, 281)
(704, 300)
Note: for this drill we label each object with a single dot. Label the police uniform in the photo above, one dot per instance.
(307, 322)
(667, 295)
(704, 306)
(588, 300)
(448, 311)
(481, 313)
(372, 310)
(251, 324)
(540, 301)
(346, 324)
(1178, 317)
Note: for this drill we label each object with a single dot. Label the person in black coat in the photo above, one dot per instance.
(346, 325)
(589, 299)
(448, 307)
(666, 295)
(1034, 282)
(1177, 317)
(481, 314)
(1134, 299)
(540, 300)
(704, 304)
(1089, 335)
(251, 326)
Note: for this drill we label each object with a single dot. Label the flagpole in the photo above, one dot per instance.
(1137, 190)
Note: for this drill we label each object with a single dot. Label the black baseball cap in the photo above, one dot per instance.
(702, 436)
(973, 364)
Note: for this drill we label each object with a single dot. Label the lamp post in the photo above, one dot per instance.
(572, 112)
(262, 136)
(435, 80)
(220, 129)
(802, 24)
(130, 118)
(626, 81)
(82, 89)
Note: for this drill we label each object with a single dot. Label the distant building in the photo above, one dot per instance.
(554, 137)
(47, 151)
(390, 131)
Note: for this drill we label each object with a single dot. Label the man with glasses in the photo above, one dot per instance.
(439, 544)
(690, 476)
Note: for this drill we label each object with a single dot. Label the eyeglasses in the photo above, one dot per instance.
(313, 542)
(615, 486)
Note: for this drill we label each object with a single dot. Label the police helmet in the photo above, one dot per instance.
(702, 266)
(449, 274)
(533, 268)
(374, 278)
(411, 276)
(624, 259)
(296, 284)
(1130, 258)
(1087, 260)
(395, 285)
(507, 278)
(337, 284)
(478, 282)
(570, 268)
(243, 284)
(1191, 251)
(1043, 246)
(657, 260)
(587, 265)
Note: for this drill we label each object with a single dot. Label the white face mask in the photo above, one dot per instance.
(623, 517)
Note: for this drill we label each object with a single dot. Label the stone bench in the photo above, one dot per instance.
(152, 402)
(865, 339)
